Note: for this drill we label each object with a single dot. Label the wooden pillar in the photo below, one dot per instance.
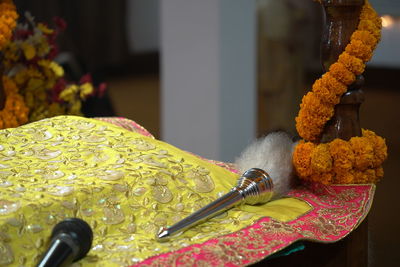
(341, 20)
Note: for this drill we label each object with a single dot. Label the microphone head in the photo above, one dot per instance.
(256, 186)
(273, 154)
(80, 232)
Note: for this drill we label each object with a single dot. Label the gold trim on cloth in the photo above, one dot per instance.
(124, 184)
(337, 210)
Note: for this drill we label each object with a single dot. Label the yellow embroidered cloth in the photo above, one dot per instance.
(124, 184)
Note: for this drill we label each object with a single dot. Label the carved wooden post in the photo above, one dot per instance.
(342, 17)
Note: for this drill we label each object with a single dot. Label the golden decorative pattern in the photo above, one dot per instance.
(337, 210)
(124, 184)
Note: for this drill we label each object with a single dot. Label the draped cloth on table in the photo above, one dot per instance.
(112, 173)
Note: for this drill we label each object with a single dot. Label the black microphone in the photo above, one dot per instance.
(71, 240)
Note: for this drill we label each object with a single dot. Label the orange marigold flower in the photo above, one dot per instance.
(342, 154)
(378, 23)
(313, 103)
(363, 152)
(365, 37)
(341, 73)
(312, 116)
(359, 49)
(368, 13)
(308, 126)
(371, 27)
(380, 151)
(307, 100)
(368, 133)
(355, 65)
(321, 160)
(302, 158)
(324, 178)
(333, 84)
(344, 178)
(379, 146)
(365, 177)
(324, 94)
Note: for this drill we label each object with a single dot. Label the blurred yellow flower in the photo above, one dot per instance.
(58, 70)
(44, 28)
(76, 108)
(68, 94)
(56, 109)
(33, 84)
(86, 89)
(29, 50)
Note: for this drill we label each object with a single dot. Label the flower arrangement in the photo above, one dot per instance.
(358, 160)
(34, 84)
(29, 63)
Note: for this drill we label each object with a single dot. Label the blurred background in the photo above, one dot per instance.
(209, 76)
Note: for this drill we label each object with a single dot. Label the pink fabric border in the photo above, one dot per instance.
(336, 211)
(126, 124)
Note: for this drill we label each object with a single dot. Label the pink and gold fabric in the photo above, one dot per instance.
(126, 184)
(335, 212)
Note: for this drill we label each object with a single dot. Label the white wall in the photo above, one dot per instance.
(390, 7)
(143, 25)
(387, 53)
(208, 75)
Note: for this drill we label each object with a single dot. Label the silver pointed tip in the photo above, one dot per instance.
(163, 234)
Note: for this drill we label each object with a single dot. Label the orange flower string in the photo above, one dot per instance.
(352, 63)
(355, 161)
(341, 74)
(358, 160)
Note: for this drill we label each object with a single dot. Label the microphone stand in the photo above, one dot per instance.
(255, 186)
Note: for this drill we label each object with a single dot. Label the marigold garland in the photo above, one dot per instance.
(358, 160)
(340, 75)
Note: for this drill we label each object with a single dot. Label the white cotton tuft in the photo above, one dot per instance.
(273, 154)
